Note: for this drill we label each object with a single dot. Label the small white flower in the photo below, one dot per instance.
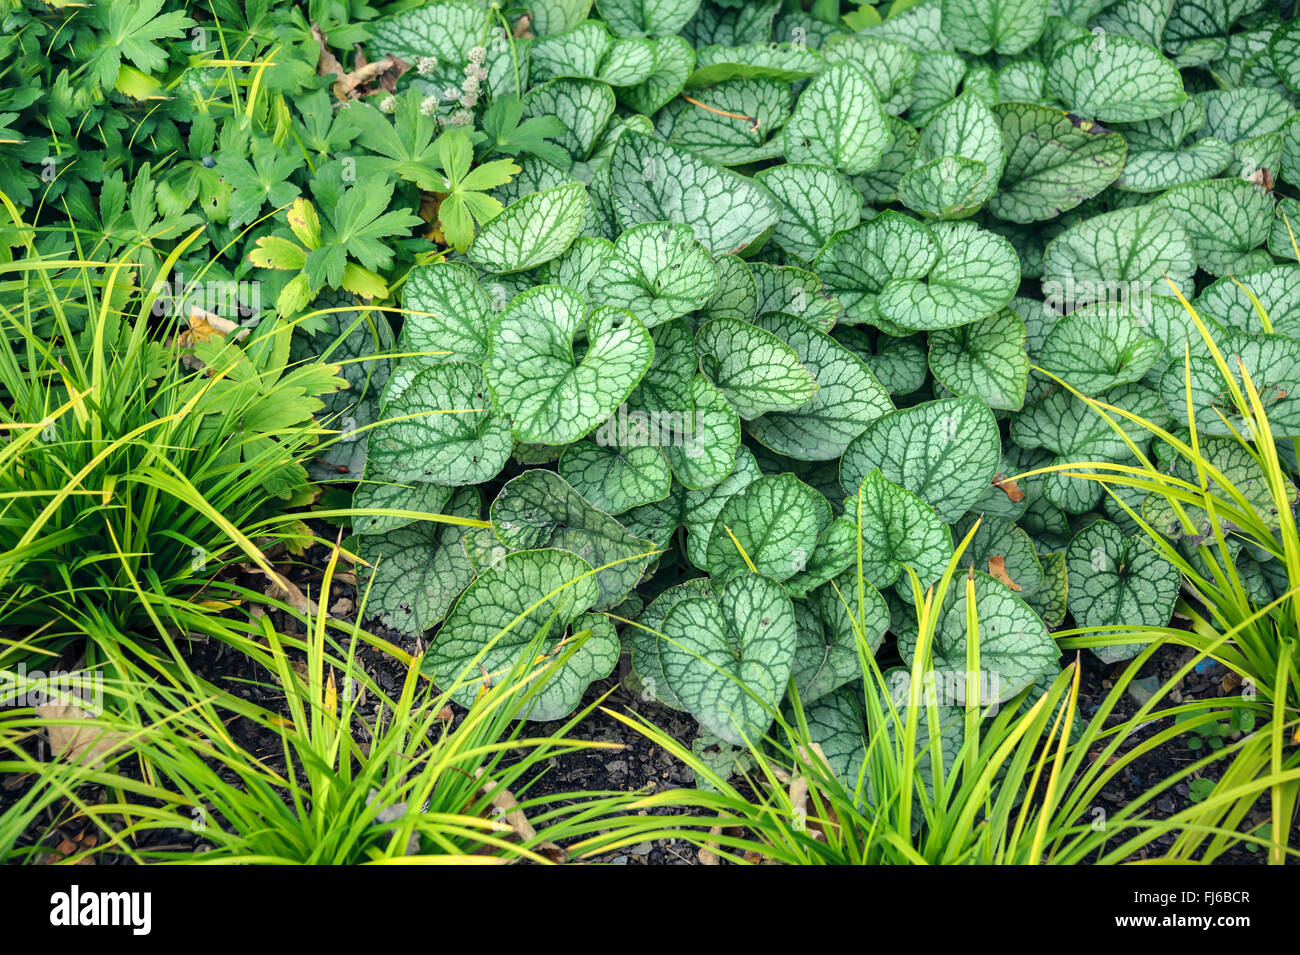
(429, 105)
(388, 104)
(477, 55)
(470, 85)
(478, 72)
(462, 117)
(450, 92)
(426, 65)
(469, 100)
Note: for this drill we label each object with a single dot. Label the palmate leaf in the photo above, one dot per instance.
(130, 30)
(727, 657)
(540, 509)
(945, 452)
(658, 182)
(536, 382)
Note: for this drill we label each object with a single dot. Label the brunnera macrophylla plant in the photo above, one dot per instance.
(792, 302)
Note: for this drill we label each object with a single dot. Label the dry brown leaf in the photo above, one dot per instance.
(524, 28)
(350, 85)
(998, 569)
(73, 742)
(1009, 487)
(507, 810)
(706, 855)
(282, 586)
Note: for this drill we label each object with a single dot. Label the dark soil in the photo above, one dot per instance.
(640, 765)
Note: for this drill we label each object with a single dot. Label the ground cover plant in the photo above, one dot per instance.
(698, 334)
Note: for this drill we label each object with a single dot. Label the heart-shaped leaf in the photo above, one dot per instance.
(535, 380)
(533, 230)
(728, 656)
(945, 452)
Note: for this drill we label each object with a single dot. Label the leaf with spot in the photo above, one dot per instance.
(550, 396)
(848, 396)
(1053, 162)
(755, 370)
(945, 452)
(728, 656)
(658, 272)
(540, 509)
(986, 358)
(532, 230)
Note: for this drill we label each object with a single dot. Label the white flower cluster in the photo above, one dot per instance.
(426, 65)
